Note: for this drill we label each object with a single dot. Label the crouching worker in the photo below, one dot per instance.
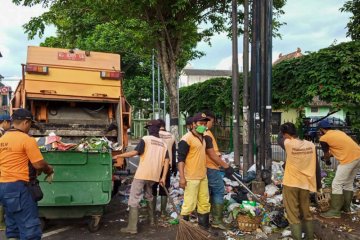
(299, 181)
(154, 159)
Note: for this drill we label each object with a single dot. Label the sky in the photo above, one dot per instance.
(311, 25)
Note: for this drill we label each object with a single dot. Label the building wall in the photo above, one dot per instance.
(323, 111)
(287, 115)
(186, 80)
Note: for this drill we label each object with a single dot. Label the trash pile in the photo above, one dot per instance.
(54, 143)
(244, 214)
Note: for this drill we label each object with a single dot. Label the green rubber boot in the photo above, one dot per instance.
(296, 231)
(336, 204)
(348, 195)
(133, 219)
(2, 218)
(164, 200)
(217, 214)
(151, 211)
(309, 229)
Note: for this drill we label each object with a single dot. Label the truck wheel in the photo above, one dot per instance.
(43, 223)
(94, 224)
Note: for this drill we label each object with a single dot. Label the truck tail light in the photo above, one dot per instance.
(37, 69)
(111, 74)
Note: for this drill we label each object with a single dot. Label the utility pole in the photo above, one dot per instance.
(261, 89)
(246, 113)
(159, 103)
(268, 100)
(164, 103)
(235, 84)
(153, 83)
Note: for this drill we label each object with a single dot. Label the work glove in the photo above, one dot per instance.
(229, 172)
(49, 178)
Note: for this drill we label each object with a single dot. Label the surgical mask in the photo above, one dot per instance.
(200, 129)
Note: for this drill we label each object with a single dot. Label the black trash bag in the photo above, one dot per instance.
(278, 219)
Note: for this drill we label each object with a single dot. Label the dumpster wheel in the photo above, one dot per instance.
(94, 224)
(43, 223)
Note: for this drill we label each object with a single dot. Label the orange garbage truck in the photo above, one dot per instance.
(76, 95)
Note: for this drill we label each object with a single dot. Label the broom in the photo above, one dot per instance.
(186, 230)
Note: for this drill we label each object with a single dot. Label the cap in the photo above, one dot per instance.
(5, 117)
(200, 117)
(162, 122)
(154, 123)
(189, 121)
(22, 114)
(324, 124)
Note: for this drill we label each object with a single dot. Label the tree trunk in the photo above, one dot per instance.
(169, 74)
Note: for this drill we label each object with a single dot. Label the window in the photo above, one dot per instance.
(314, 109)
(275, 122)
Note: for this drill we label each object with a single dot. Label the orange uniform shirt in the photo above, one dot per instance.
(344, 149)
(209, 162)
(16, 150)
(152, 160)
(195, 162)
(300, 169)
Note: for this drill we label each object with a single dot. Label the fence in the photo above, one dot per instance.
(223, 135)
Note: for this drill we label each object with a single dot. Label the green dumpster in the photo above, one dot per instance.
(81, 186)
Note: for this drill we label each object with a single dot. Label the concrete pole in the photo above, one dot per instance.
(235, 85)
(153, 83)
(246, 113)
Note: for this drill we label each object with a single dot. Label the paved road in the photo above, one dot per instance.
(113, 219)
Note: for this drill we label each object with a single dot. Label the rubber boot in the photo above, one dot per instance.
(203, 220)
(154, 202)
(164, 200)
(217, 214)
(2, 218)
(309, 229)
(151, 212)
(336, 204)
(348, 195)
(296, 231)
(133, 219)
(186, 217)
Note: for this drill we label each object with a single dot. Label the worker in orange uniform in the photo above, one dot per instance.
(192, 151)
(336, 143)
(299, 180)
(5, 123)
(215, 178)
(20, 157)
(153, 167)
(169, 139)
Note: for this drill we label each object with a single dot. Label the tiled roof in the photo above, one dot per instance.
(316, 102)
(204, 72)
(288, 56)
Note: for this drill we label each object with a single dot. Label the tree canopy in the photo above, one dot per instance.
(353, 25)
(169, 27)
(332, 73)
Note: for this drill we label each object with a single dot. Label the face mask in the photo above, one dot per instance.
(200, 129)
